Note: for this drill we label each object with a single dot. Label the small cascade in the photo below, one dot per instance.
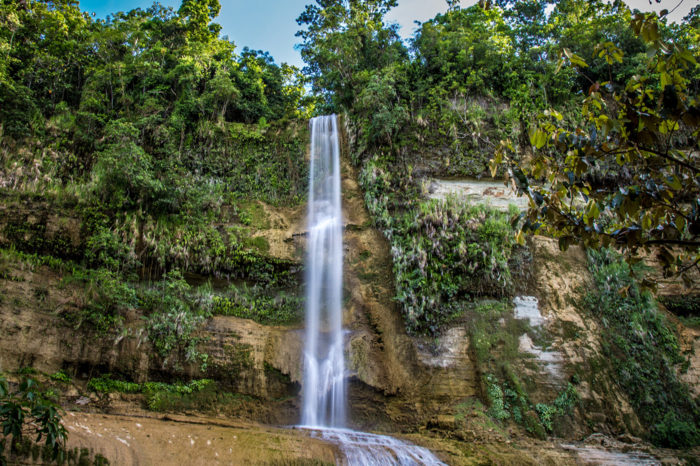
(361, 448)
(324, 393)
(324, 363)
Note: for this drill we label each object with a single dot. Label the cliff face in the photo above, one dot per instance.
(543, 341)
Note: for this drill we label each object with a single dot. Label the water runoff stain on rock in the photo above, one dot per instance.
(450, 350)
(527, 308)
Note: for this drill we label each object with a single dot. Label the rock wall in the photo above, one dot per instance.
(397, 382)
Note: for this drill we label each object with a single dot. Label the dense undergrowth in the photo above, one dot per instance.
(258, 304)
(445, 253)
(203, 395)
(141, 148)
(158, 396)
(643, 351)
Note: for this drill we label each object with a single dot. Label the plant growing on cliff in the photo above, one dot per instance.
(107, 296)
(158, 396)
(444, 252)
(643, 351)
(174, 320)
(259, 305)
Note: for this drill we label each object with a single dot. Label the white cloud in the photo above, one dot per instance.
(680, 7)
(409, 11)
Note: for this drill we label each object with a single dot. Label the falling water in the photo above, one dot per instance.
(324, 364)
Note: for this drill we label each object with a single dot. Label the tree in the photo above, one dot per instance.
(629, 174)
(468, 50)
(342, 39)
(123, 175)
(198, 14)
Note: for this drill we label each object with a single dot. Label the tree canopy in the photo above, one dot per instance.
(590, 107)
(628, 173)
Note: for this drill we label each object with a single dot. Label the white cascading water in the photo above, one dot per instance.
(324, 362)
(324, 394)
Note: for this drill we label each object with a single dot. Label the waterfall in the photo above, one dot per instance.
(324, 391)
(324, 364)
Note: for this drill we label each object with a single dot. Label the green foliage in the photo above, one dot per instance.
(494, 336)
(107, 296)
(508, 400)
(494, 396)
(344, 41)
(466, 50)
(197, 15)
(173, 320)
(31, 236)
(123, 175)
(107, 249)
(566, 400)
(155, 127)
(84, 457)
(546, 414)
(203, 248)
(487, 335)
(259, 305)
(675, 431)
(28, 408)
(563, 404)
(685, 305)
(164, 397)
(643, 350)
(60, 376)
(105, 384)
(444, 252)
(159, 396)
(443, 105)
(627, 174)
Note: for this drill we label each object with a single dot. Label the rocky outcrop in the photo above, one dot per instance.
(396, 382)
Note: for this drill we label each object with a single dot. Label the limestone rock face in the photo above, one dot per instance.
(34, 334)
(396, 382)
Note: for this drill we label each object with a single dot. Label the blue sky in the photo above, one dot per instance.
(271, 24)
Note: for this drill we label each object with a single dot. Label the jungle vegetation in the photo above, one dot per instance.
(589, 109)
(150, 126)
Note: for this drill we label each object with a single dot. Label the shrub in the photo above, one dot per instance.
(60, 376)
(30, 409)
(105, 384)
(173, 319)
(675, 432)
